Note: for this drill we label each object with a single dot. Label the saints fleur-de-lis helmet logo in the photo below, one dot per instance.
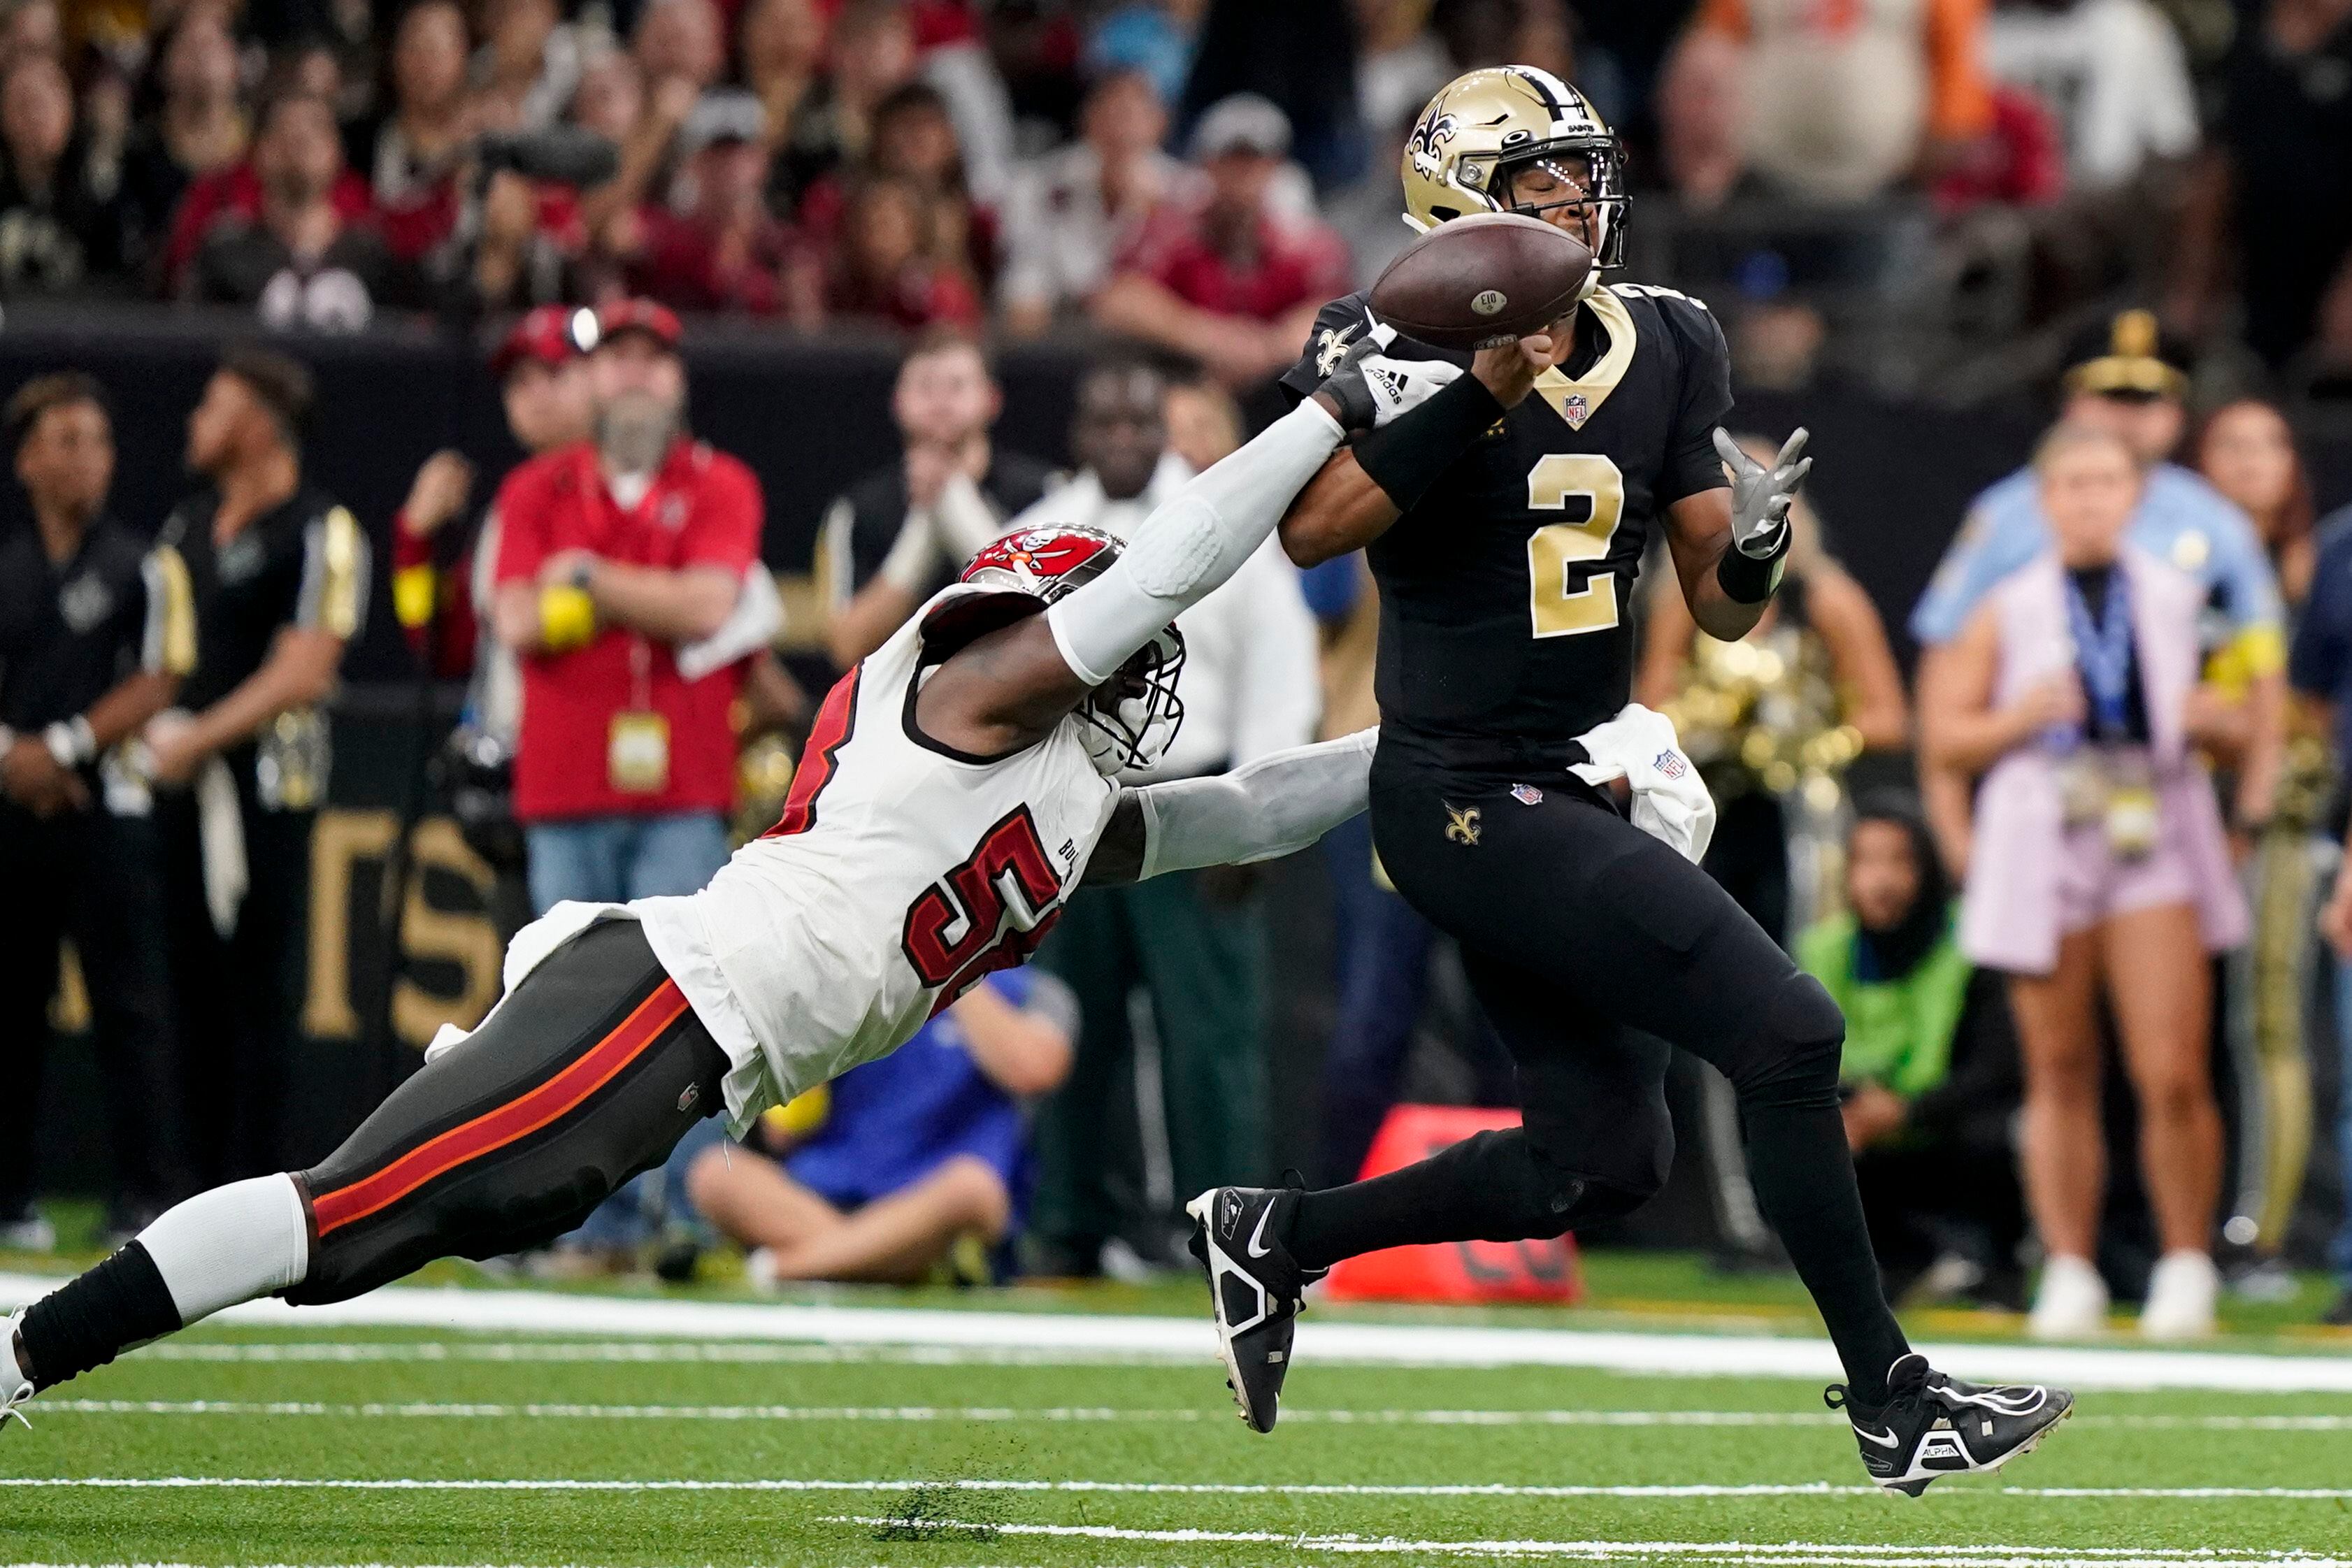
(1435, 129)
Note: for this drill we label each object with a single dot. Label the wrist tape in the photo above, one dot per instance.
(1752, 579)
(567, 618)
(1408, 456)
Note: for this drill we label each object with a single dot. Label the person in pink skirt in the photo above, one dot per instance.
(2101, 870)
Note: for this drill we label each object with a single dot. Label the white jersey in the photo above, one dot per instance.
(900, 872)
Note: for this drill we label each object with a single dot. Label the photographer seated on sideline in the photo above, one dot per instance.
(1929, 1073)
(909, 1155)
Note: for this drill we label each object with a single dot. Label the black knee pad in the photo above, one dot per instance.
(1529, 1195)
(1794, 1057)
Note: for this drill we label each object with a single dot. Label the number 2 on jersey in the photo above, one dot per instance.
(1554, 609)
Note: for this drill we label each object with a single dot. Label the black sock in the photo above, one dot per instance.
(91, 1320)
(1488, 1188)
(1804, 1176)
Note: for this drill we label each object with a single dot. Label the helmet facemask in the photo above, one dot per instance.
(1585, 178)
(1131, 719)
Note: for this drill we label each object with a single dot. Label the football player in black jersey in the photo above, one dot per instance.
(1504, 530)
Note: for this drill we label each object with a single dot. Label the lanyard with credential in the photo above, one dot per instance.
(2104, 653)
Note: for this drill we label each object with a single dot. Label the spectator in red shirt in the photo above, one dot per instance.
(410, 155)
(915, 141)
(883, 270)
(1228, 280)
(620, 559)
(725, 251)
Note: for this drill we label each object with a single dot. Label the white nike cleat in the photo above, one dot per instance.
(14, 1386)
(2181, 1296)
(2071, 1303)
(1932, 1426)
(1255, 1287)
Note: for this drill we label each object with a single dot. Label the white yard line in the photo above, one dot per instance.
(1176, 1489)
(1052, 1414)
(1710, 1552)
(1091, 1336)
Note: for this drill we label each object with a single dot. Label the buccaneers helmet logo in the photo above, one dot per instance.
(1461, 823)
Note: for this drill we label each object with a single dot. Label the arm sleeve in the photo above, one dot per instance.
(1691, 464)
(167, 646)
(1270, 808)
(1277, 695)
(334, 596)
(1191, 545)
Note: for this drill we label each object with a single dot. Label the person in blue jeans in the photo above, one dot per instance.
(2320, 668)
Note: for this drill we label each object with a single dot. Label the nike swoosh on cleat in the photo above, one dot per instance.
(1888, 1441)
(1258, 1247)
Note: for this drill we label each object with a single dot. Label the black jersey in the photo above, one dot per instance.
(1506, 593)
(70, 634)
(858, 530)
(304, 563)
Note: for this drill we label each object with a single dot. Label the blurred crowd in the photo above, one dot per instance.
(2063, 879)
(1844, 180)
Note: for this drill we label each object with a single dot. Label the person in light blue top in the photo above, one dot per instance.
(2131, 381)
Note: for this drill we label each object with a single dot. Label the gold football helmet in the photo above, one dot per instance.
(1486, 124)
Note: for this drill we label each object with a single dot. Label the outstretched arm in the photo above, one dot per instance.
(1010, 689)
(1282, 803)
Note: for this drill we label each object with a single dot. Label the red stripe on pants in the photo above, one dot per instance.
(516, 1120)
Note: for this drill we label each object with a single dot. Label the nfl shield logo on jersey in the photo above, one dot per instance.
(1527, 794)
(1575, 410)
(1670, 764)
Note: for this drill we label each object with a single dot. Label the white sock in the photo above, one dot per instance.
(235, 1243)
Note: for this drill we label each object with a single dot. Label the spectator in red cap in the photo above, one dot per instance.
(439, 589)
(621, 560)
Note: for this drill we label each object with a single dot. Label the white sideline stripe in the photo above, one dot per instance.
(1174, 1488)
(1436, 1345)
(1622, 1550)
(1059, 1414)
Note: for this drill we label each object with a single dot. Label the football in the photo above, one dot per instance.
(1481, 281)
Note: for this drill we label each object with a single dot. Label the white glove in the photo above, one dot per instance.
(1760, 496)
(1371, 388)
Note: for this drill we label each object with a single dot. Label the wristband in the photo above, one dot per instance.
(1409, 455)
(414, 590)
(69, 740)
(1751, 580)
(567, 618)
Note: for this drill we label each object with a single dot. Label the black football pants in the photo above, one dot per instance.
(588, 1075)
(1588, 943)
(91, 877)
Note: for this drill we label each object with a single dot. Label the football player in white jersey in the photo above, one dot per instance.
(956, 788)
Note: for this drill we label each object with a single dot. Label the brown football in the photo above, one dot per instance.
(1480, 281)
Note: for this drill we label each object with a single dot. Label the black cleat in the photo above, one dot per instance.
(1256, 1287)
(1932, 1426)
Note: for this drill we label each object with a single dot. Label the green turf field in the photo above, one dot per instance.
(360, 1444)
